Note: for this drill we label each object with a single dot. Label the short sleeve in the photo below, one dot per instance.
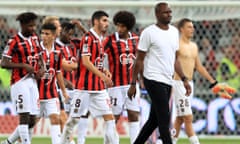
(86, 45)
(9, 48)
(144, 41)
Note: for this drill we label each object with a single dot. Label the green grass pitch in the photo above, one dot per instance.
(91, 140)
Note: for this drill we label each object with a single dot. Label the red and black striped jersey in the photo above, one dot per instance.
(53, 61)
(70, 54)
(76, 42)
(91, 45)
(22, 50)
(121, 56)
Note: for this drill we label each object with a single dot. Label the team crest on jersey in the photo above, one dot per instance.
(49, 74)
(33, 60)
(127, 59)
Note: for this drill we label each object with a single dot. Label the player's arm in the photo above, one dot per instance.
(68, 65)
(8, 64)
(89, 65)
(107, 44)
(179, 71)
(68, 84)
(60, 82)
(137, 69)
(202, 70)
(79, 25)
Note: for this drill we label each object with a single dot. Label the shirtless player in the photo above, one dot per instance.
(189, 58)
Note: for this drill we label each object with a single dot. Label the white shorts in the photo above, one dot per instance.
(121, 101)
(25, 96)
(49, 106)
(97, 103)
(182, 102)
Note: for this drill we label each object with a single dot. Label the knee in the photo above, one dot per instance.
(108, 117)
(188, 119)
(54, 119)
(133, 116)
(24, 118)
(179, 120)
(63, 117)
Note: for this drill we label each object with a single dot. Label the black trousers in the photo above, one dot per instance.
(160, 112)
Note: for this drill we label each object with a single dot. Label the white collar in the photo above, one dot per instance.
(59, 42)
(23, 37)
(44, 48)
(119, 39)
(96, 35)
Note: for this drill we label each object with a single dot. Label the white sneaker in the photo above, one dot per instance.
(159, 141)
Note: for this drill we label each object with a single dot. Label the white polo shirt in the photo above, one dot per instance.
(160, 47)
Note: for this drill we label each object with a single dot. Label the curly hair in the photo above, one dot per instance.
(26, 17)
(126, 18)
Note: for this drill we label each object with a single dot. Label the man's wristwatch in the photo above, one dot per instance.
(184, 78)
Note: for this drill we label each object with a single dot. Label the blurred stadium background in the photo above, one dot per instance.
(217, 35)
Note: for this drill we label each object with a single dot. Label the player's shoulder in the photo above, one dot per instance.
(13, 40)
(149, 28)
(194, 45)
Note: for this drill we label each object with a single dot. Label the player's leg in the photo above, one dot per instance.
(177, 126)
(133, 110)
(65, 109)
(79, 106)
(100, 106)
(63, 114)
(82, 129)
(22, 96)
(53, 112)
(189, 129)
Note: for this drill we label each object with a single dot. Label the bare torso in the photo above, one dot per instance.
(187, 55)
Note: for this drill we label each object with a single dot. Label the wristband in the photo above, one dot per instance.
(213, 84)
(184, 78)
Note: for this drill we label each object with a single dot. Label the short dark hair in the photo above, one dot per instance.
(49, 26)
(26, 17)
(98, 14)
(67, 26)
(126, 18)
(182, 22)
(158, 6)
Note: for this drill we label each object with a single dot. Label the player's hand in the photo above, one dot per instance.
(223, 90)
(187, 87)
(66, 97)
(108, 81)
(131, 91)
(107, 73)
(78, 24)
